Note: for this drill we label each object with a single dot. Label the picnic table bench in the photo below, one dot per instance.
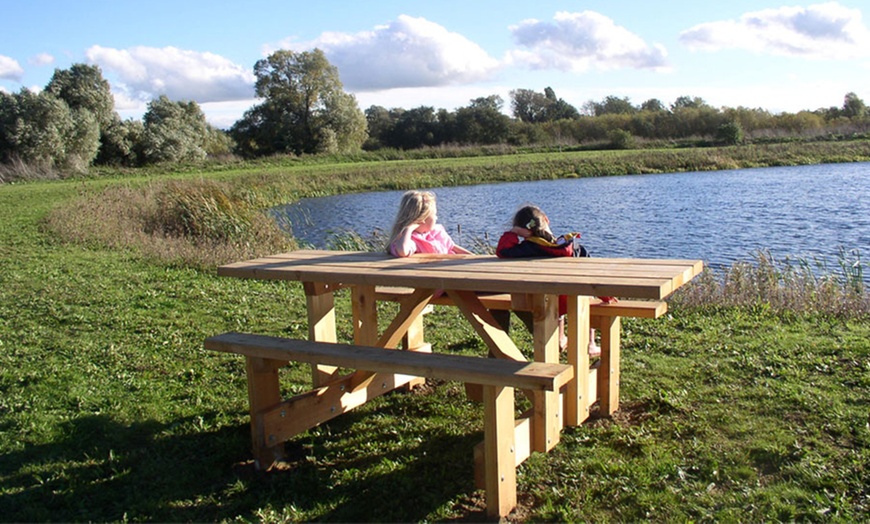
(561, 393)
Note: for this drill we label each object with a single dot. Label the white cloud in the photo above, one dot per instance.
(42, 59)
(821, 31)
(148, 72)
(580, 41)
(407, 52)
(10, 69)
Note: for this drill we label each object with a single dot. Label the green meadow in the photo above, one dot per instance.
(749, 401)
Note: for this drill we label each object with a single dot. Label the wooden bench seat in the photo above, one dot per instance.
(504, 301)
(274, 420)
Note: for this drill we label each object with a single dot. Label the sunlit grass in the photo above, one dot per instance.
(747, 402)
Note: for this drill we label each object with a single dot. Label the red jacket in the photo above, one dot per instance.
(509, 246)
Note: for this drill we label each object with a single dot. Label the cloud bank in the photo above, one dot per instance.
(407, 52)
(578, 42)
(821, 31)
(146, 73)
(10, 69)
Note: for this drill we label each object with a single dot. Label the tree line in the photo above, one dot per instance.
(72, 123)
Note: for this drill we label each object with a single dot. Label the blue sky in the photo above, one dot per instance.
(776, 55)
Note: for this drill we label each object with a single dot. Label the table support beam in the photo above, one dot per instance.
(577, 398)
(608, 374)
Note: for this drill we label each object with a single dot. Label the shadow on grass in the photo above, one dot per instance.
(105, 471)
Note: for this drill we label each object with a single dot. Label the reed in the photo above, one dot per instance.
(791, 285)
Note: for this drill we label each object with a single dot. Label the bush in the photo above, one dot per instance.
(730, 133)
(620, 139)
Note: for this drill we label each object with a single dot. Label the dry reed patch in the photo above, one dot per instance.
(198, 223)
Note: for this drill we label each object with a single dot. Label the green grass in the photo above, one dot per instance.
(110, 409)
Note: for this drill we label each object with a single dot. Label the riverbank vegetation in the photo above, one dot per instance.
(71, 126)
(748, 401)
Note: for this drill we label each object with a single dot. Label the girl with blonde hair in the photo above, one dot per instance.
(416, 228)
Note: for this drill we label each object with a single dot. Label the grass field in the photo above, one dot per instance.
(110, 410)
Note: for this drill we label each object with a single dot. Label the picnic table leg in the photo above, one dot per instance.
(577, 401)
(321, 325)
(608, 373)
(365, 315)
(263, 393)
(499, 450)
(547, 425)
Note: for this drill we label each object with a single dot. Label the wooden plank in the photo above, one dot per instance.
(615, 277)
(608, 373)
(321, 327)
(500, 462)
(263, 392)
(495, 338)
(577, 399)
(546, 423)
(476, 370)
(622, 308)
(286, 419)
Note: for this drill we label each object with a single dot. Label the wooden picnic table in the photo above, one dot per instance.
(464, 279)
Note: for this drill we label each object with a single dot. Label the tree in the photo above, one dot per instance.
(653, 105)
(528, 105)
(687, 102)
(173, 131)
(482, 122)
(83, 87)
(305, 109)
(120, 143)
(853, 107)
(533, 107)
(41, 129)
(414, 128)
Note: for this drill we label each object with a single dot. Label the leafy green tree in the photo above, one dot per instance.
(482, 122)
(305, 109)
(121, 142)
(653, 105)
(173, 132)
(688, 102)
(528, 105)
(83, 87)
(379, 121)
(533, 107)
(614, 105)
(853, 107)
(415, 128)
(40, 129)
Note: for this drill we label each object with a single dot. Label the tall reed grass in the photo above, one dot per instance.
(198, 223)
(791, 285)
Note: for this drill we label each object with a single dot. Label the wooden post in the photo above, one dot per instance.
(608, 374)
(365, 315)
(321, 325)
(547, 425)
(263, 393)
(499, 450)
(577, 399)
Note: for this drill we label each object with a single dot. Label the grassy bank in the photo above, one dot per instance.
(110, 410)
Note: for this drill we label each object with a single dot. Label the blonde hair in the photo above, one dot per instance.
(416, 206)
(532, 218)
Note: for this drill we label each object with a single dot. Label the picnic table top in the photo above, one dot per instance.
(620, 277)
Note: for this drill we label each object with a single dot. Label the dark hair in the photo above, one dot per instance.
(532, 218)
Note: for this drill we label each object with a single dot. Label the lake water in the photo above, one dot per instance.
(808, 212)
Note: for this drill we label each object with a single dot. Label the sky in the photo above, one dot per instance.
(777, 55)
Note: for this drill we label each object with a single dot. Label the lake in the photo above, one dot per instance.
(807, 212)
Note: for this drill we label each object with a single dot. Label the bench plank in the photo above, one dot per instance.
(475, 370)
(623, 308)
